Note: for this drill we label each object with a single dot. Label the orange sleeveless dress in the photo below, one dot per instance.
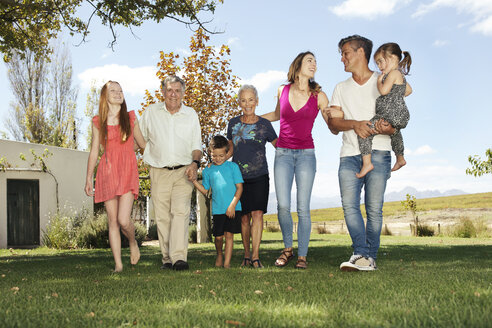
(117, 172)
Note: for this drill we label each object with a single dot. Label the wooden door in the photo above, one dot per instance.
(22, 212)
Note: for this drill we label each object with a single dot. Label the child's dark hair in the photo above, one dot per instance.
(392, 48)
(219, 142)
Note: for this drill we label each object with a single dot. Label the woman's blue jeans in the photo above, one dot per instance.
(301, 164)
(365, 238)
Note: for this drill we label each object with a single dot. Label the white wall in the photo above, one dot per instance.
(68, 167)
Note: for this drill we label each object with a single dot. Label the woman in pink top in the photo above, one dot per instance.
(297, 107)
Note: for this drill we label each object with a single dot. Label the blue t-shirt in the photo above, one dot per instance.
(222, 179)
(249, 145)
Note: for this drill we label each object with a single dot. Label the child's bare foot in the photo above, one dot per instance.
(118, 268)
(399, 164)
(219, 261)
(134, 253)
(364, 170)
(227, 265)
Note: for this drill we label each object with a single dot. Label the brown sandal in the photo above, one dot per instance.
(301, 264)
(284, 258)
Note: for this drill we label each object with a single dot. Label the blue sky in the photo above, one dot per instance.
(450, 42)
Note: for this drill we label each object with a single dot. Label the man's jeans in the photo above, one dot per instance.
(365, 239)
(300, 163)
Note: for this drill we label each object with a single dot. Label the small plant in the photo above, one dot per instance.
(423, 230)
(410, 204)
(272, 228)
(385, 231)
(322, 230)
(60, 232)
(94, 232)
(464, 229)
(193, 235)
(152, 234)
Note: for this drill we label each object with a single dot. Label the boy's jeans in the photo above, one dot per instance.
(365, 240)
(300, 163)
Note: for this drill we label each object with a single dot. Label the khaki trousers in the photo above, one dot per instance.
(171, 197)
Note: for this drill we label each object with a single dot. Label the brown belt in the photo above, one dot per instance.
(173, 167)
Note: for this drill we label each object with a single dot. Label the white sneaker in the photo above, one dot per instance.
(357, 263)
(372, 263)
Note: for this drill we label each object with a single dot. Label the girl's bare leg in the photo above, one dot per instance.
(114, 232)
(366, 166)
(400, 162)
(127, 227)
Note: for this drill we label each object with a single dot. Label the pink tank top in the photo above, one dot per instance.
(296, 127)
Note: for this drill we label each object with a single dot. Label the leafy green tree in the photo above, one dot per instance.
(479, 166)
(32, 24)
(45, 100)
(210, 85)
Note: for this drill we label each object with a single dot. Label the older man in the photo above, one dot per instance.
(172, 132)
(353, 104)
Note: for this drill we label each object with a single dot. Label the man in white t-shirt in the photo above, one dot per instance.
(173, 151)
(352, 105)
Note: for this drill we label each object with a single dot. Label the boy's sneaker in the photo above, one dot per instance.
(372, 263)
(357, 263)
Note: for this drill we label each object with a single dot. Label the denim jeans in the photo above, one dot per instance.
(301, 164)
(365, 239)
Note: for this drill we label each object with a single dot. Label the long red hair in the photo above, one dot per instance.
(124, 118)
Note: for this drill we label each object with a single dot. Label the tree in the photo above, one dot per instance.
(210, 85)
(480, 167)
(32, 24)
(45, 100)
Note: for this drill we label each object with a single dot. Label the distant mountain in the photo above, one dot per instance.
(401, 195)
(335, 201)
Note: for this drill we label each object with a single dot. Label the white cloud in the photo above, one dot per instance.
(231, 41)
(368, 9)
(422, 150)
(263, 81)
(440, 43)
(480, 10)
(484, 27)
(133, 81)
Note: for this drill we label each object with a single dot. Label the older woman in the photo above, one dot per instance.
(298, 104)
(247, 136)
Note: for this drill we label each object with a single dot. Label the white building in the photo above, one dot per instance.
(29, 194)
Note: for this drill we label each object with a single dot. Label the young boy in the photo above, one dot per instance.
(226, 181)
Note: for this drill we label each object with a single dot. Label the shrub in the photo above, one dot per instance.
(272, 228)
(60, 232)
(385, 231)
(423, 230)
(152, 234)
(322, 230)
(94, 233)
(192, 234)
(464, 229)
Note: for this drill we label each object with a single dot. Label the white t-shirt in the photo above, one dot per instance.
(171, 138)
(358, 102)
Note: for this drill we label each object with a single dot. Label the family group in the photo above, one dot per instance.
(368, 107)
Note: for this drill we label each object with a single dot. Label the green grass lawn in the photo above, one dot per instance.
(421, 282)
